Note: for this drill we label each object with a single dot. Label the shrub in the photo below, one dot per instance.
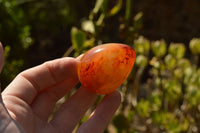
(162, 93)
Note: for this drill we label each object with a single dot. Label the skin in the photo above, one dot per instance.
(31, 97)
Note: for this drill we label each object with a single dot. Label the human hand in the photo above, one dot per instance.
(7, 124)
(31, 98)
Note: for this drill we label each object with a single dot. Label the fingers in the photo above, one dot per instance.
(42, 86)
(33, 81)
(45, 102)
(102, 115)
(73, 110)
(1, 57)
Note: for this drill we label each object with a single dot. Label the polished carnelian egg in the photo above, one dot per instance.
(104, 68)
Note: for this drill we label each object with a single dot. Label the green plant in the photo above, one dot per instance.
(162, 92)
(15, 36)
(95, 30)
(163, 89)
(173, 83)
(170, 100)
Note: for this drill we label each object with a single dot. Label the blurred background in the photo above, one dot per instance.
(161, 95)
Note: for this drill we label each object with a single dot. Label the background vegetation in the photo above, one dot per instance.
(162, 94)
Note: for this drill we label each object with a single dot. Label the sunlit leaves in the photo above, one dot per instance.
(25, 37)
(116, 8)
(170, 61)
(146, 107)
(142, 45)
(173, 89)
(141, 61)
(15, 37)
(190, 75)
(11, 68)
(155, 101)
(78, 38)
(195, 45)
(143, 108)
(175, 82)
(98, 6)
(138, 21)
(159, 48)
(177, 50)
(183, 63)
(88, 26)
(193, 95)
(169, 122)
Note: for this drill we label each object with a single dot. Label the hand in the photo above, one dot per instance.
(32, 95)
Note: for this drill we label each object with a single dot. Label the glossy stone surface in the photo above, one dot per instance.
(104, 68)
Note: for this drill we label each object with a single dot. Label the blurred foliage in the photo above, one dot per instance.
(15, 36)
(162, 93)
(29, 28)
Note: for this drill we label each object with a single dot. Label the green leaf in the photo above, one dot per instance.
(198, 80)
(193, 95)
(159, 48)
(143, 108)
(100, 20)
(177, 50)
(98, 5)
(195, 45)
(155, 101)
(178, 73)
(169, 122)
(104, 7)
(78, 38)
(155, 63)
(142, 45)
(6, 52)
(25, 37)
(173, 89)
(116, 8)
(141, 61)
(89, 43)
(190, 75)
(160, 118)
(88, 26)
(183, 63)
(138, 21)
(130, 115)
(170, 61)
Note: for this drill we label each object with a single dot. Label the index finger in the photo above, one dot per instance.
(29, 83)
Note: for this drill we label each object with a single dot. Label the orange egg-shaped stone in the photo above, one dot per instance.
(104, 68)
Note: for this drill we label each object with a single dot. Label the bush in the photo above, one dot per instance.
(162, 93)
(15, 36)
